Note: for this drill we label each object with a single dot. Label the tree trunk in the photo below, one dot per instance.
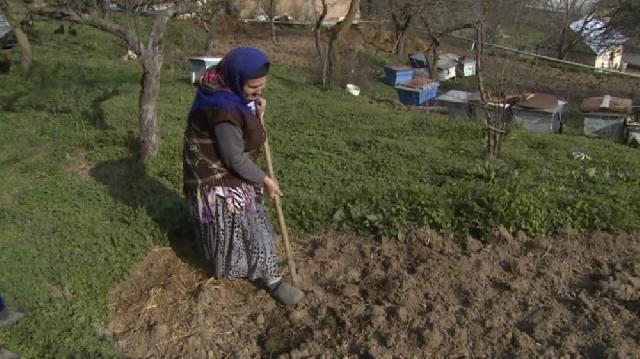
(334, 59)
(431, 53)
(479, 67)
(522, 6)
(495, 115)
(274, 38)
(563, 33)
(25, 49)
(23, 40)
(105, 5)
(432, 61)
(563, 36)
(488, 115)
(401, 31)
(322, 52)
(402, 42)
(272, 14)
(435, 41)
(397, 33)
(152, 56)
(335, 44)
(149, 130)
(211, 37)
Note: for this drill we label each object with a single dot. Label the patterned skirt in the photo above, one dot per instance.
(234, 232)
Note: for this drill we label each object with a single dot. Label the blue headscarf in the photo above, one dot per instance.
(236, 68)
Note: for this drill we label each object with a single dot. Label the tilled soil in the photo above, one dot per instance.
(570, 295)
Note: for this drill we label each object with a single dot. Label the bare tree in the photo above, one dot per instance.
(522, 18)
(270, 8)
(622, 16)
(149, 51)
(495, 105)
(322, 51)
(401, 16)
(336, 42)
(207, 16)
(433, 46)
(21, 37)
(272, 16)
(568, 15)
(467, 15)
(559, 15)
(434, 37)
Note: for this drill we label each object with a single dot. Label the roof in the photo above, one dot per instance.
(455, 96)
(599, 115)
(541, 101)
(449, 55)
(398, 67)
(419, 83)
(467, 61)
(446, 63)
(497, 98)
(596, 35)
(606, 104)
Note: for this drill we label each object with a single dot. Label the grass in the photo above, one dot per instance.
(78, 211)
(530, 37)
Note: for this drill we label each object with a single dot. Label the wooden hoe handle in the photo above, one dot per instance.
(283, 224)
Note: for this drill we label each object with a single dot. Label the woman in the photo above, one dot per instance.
(8, 317)
(221, 179)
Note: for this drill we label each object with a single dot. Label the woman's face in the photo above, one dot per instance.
(253, 88)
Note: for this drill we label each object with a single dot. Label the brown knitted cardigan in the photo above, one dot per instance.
(201, 160)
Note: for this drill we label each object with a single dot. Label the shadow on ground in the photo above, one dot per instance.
(97, 117)
(129, 183)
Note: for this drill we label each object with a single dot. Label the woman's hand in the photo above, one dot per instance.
(261, 103)
(273, 189)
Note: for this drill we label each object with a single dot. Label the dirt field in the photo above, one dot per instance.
(566, 296)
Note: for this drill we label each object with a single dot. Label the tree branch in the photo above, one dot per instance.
(157, 34)
(344, 25)
(94, 19)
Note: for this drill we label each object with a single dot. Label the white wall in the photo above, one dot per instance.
(611, 59)
(300, 10)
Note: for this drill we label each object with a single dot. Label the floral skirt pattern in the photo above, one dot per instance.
(236, 240)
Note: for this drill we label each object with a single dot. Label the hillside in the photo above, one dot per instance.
(408, 239)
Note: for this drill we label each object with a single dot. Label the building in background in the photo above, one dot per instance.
(594, 45)
(295, 10)
(631, 56)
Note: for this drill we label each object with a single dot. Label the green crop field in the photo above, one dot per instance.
(77, 210)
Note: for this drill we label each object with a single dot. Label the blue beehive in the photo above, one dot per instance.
(418, 60)
(397, 74)
(418, 91)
